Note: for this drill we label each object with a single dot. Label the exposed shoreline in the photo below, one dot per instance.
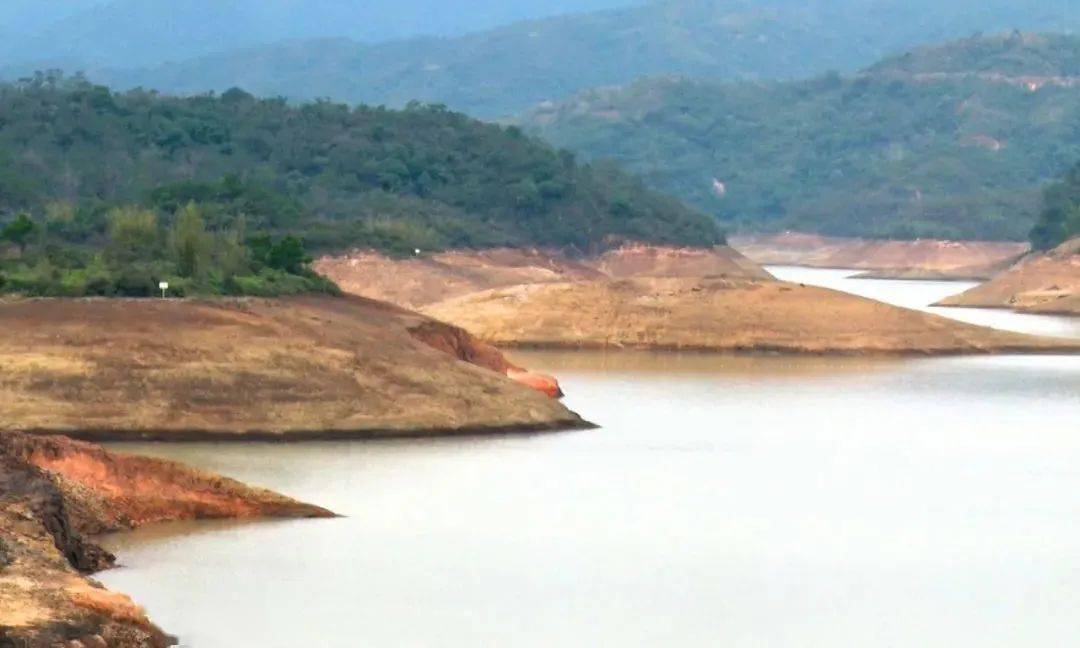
(927, 259)
(716, 315)
(313, 367)
(56, 495)
(1043, 283)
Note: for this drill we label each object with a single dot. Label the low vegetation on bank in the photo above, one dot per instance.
(134, 251)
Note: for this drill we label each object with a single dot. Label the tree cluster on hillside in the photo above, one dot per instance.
(887, 153)
(140, 248)
(328, 174)
(1060, 217)
(421, 177)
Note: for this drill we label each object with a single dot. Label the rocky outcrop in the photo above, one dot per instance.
(713, 314)
(297, 368)
(1040, 283)
(54, 494)
(460, 344)
(892, 259)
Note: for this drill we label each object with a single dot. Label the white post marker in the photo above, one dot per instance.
(164, 285)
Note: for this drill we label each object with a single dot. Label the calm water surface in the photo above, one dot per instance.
(727, 501)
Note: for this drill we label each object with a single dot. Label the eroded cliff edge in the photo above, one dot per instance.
(55, 493)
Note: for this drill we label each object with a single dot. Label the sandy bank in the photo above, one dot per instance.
(54, 494)
(1039, 283)
(293, 369)
(920, 259)
(421, 281)
(718, 315)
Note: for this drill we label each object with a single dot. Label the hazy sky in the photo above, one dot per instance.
(146, 32)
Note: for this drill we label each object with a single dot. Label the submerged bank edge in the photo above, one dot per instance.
(102, 435)
(1066, 348)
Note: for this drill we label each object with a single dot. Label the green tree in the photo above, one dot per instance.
(133, 235)
(189, 242)
(19, 232)
(289, 255)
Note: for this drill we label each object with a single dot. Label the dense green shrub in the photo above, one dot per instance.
(139, 250)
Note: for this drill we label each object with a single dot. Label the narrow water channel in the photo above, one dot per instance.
(726, 501)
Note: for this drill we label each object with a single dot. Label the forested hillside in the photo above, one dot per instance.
(507, 70)
(88, 168)
(920, 145)
(1059, 220)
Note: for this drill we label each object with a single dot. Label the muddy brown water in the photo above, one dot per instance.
(726, 501)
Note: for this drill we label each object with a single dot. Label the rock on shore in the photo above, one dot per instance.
(718, 315)
(295, 368)
(54, 494)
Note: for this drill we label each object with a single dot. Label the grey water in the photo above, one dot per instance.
(725, 501)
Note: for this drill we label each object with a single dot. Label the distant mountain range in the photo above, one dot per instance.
(953, 141)
(509, 69)
(87, 34)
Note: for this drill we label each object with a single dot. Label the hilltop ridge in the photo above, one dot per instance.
(951, 142)
(505, 70)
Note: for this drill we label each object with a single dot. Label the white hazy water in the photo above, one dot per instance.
(751, 501)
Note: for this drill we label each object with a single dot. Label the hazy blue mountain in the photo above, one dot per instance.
(148, 32)
(508, 69)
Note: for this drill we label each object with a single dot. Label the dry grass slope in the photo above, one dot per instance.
(718, 315)
(296, 368)
(1040, 283)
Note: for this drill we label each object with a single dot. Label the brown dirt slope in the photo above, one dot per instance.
(718, 315)
(637, 260)
(417, 282)
(304, 367)
(921, 259)
(1040, 283)
(54, 493)
(422, 281)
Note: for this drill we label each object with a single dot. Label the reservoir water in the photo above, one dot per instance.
(726, 501)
